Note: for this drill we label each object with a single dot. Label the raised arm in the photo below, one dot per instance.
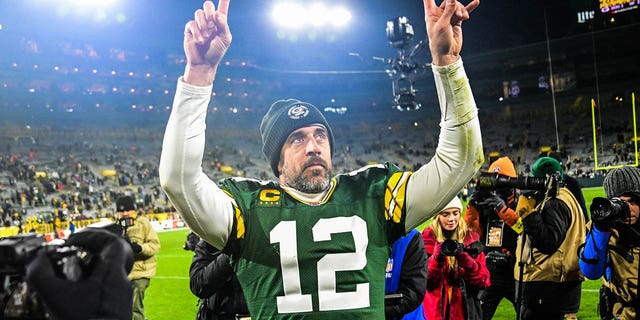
(205, 208)
(459, 153)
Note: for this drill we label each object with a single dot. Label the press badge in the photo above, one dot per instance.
(495, 232)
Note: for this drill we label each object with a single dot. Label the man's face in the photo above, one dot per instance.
(634, 209)
(305, 160)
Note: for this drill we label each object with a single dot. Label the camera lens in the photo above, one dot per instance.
(610, 210)
(450, 247)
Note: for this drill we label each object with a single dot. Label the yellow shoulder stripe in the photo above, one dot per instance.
(394, 195)
(238, 214)
(240, 221)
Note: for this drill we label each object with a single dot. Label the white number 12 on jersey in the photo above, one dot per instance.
(293, 300)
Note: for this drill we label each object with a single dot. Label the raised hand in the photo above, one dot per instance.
(444, 28)
(206, 40)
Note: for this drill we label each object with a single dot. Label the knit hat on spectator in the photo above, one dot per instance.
(622, 180)
(546, 166)
(454, 203)
(556, 155)
(125, 203)
(503, 166)
(283, 117)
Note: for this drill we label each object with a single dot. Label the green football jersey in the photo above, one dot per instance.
(297, 260)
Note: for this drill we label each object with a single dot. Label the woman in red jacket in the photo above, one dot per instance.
(456, 267)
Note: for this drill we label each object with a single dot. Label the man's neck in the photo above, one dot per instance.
(311, 198)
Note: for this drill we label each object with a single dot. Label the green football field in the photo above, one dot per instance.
(169, 297)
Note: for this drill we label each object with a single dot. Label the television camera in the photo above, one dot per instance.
(404, 67)
(72, 260)
(17, 300)
(125, 222)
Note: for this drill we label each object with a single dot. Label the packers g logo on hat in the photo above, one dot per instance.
(298, 111)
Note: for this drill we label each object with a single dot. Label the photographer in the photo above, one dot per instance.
(612, 247)
(213, 280)
(456, 267)
(191, 241)
(554, 227)
(571, 183)
(101, 292)
(145, 244)
(490, 212)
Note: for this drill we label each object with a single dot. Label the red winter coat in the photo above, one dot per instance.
(441, 278)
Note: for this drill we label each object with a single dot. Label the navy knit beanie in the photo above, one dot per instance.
(283, 117)
(622, 180)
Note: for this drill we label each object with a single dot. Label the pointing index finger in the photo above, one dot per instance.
(223, 6)
(472, 5)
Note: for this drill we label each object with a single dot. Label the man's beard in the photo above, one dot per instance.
(314, 182)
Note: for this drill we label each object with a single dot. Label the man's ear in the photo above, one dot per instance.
(280, 165)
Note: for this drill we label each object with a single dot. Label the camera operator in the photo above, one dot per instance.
(554, 228)
(101, 292)
(491, 214)
(612, 247)
(191, 241)
(456, 267)
(145, 244)
(213, 280)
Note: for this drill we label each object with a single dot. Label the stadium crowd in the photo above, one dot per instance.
(75, 171)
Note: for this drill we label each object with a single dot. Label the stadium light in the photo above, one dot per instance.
(341, 17)
(290, 15)
(318, 14)
(315, 15)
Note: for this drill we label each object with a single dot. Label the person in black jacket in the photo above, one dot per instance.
(554, 228)
(572, 184)
(213, 280)
(406, 278)
(491, 214)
